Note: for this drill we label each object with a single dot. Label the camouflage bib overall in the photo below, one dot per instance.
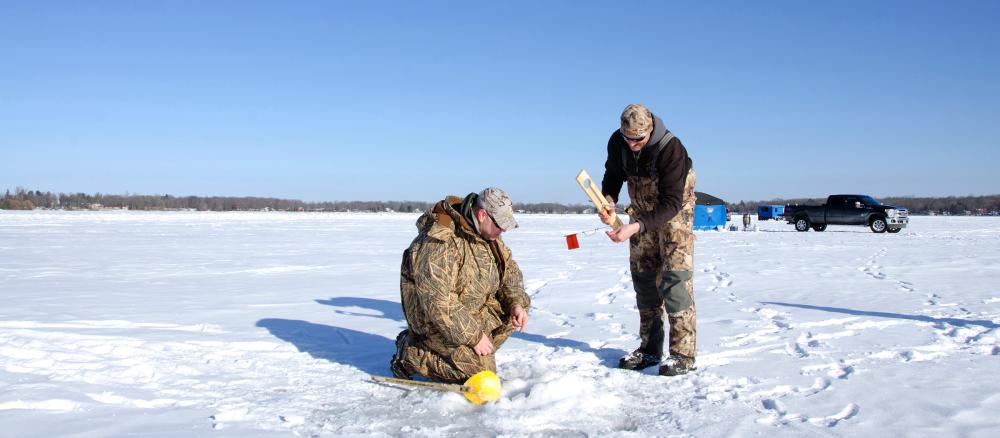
(662, 264)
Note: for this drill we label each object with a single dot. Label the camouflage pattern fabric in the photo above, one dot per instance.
(662, 264)
(421, 357)
(651, 330)
(453, 292)
(637, 121)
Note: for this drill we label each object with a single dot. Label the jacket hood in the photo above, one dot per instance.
(659, 132)
(447, 214)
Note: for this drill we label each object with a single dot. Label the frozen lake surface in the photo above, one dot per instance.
(268, 324)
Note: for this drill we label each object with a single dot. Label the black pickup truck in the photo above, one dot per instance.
(848, 210)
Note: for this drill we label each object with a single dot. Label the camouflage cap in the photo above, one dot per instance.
(637, 121)
(498, 204)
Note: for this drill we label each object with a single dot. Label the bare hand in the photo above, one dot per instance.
(606, 213)
(519, 317)
(484, 347)
(624, 233)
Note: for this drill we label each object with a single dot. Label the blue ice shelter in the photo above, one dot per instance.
(765, 212)
(709, 212)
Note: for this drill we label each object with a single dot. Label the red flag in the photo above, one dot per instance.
(571, 242)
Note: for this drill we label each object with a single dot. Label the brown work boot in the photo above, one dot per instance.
(637, 360)
(396, 364)
(677, 365)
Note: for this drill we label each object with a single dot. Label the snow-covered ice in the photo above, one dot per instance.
(268, 324)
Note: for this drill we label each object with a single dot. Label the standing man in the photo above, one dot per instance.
(462, 293)
(660, 234)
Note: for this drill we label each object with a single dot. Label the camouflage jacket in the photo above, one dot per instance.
(454, 284)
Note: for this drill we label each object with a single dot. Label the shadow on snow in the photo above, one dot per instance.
(609, 356)
(953, 321)
(370, 353)
(388, 309)
(367, 352)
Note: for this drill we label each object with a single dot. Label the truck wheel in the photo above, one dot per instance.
(820, 227)
(802, 224)
(894, 230)
(878, 225)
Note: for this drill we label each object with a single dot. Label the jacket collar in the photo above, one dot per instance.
(448, 215)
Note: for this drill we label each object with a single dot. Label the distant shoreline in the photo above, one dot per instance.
(380, 213)
(22, 199)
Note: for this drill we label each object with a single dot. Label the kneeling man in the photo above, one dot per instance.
(462, 293)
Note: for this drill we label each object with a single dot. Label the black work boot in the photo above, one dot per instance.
(651, 337)
(396, 364)
(677, 365)
(637, 360)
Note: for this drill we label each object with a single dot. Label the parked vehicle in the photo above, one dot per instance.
(765, 212)
(848, 210)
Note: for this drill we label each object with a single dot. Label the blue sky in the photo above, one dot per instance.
(415, 100)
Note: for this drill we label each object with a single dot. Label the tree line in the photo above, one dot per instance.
(23, 199)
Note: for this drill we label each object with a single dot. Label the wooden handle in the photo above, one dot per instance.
(594, 193)
(461, 389)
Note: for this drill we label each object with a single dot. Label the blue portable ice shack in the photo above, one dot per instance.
(709, 212)
(765, 212)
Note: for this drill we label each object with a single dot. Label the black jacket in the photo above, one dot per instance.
(672, 167)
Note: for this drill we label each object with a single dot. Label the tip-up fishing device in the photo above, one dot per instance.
(594, 193)
(483, 387)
